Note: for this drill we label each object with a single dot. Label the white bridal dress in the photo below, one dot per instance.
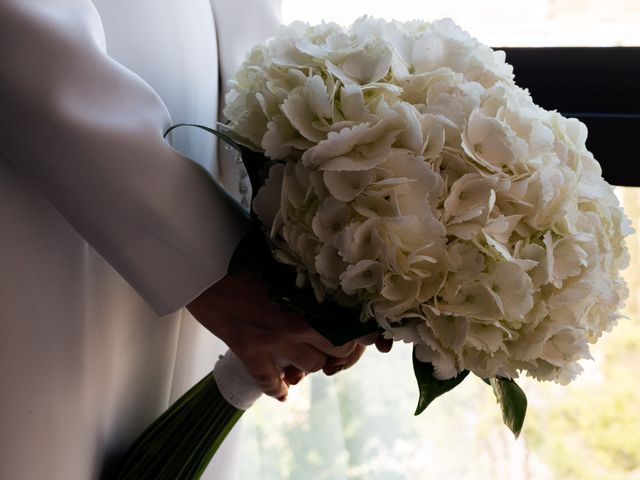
(106, 232)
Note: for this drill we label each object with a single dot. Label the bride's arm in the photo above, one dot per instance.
(88, 133)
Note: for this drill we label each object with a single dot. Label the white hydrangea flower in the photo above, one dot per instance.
(413, 178)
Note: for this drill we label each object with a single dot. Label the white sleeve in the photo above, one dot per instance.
(88, 133)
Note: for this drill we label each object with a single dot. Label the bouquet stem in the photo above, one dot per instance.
(181, 442)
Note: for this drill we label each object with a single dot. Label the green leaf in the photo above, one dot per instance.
(430, 387)
(223, 136)
(513, 403)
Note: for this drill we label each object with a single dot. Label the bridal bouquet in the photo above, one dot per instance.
(404, 182)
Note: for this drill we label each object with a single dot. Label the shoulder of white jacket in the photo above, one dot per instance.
(71, 18)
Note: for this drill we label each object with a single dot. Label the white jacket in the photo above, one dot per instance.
(105, 230)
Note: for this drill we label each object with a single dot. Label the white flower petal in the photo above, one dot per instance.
(345, 186)
(331, 218)
(362, 275)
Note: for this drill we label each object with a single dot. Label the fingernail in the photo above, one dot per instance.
(283, 398)
(336, 369)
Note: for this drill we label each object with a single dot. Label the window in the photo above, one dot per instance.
(520, 23)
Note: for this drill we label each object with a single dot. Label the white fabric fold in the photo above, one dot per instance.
(155, 215)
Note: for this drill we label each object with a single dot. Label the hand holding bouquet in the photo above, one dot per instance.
(414, 186)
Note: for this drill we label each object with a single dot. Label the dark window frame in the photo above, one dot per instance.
(598, 85)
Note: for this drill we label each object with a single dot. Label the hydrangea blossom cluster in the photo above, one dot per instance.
(411, 177)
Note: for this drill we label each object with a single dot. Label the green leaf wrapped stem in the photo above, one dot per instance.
(181, 442)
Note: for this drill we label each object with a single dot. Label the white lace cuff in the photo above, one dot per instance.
(235, 383)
